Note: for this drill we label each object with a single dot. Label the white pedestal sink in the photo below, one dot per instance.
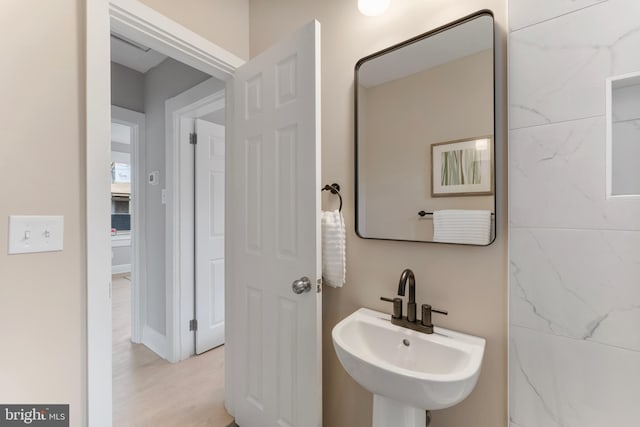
(408, 372)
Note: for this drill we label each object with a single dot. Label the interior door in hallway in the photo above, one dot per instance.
(209, 188)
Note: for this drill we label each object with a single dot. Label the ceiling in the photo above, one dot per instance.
(215, 117)
(457, 42)
(141, 58)
(133, 55)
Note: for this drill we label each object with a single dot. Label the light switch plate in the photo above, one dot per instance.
(31, 233)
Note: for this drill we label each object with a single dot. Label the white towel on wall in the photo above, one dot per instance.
(462, 226)
(333, 249)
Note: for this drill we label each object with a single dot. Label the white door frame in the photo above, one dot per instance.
(139, 22)
(201, 99)
(136, 121)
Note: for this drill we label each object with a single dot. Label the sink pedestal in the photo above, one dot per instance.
(391, 413)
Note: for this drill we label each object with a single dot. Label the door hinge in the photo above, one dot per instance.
(193, 325)
(193, 138)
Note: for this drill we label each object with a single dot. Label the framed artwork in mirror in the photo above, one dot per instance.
(462, 168)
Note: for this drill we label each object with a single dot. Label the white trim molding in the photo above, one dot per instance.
(143, 24)
(621, 80)
(137, 122)
(200, 100)
(155, 341)
(98, 407)
(121, 269)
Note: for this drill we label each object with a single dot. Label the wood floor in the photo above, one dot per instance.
(149, 391)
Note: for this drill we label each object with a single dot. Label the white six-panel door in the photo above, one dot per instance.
(276, 184)
(209, 182)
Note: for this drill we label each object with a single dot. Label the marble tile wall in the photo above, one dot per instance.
(574, 255)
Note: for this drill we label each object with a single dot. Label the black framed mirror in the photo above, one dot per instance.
(424, 137)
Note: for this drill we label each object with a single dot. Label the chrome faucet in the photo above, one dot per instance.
(407, 275)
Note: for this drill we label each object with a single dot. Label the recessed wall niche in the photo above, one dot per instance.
(623, 136)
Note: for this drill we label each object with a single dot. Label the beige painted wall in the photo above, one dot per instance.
(224, 22)
(42, 171)
(470, 282)
(403, 118)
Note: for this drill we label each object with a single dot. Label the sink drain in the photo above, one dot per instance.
(406, 342)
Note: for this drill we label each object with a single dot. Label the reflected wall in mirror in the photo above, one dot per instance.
(425, 137)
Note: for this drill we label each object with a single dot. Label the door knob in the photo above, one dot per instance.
(301, 285)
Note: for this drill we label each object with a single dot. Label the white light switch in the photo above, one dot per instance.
(30, 233)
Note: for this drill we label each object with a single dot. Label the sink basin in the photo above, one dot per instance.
(407, 371)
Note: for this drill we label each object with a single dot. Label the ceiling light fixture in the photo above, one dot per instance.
(373, 7)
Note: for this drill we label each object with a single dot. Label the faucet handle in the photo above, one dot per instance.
(397, 307)
(426, 314)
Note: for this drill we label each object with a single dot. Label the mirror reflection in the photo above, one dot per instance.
(425, 137)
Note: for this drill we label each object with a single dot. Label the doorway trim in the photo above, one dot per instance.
(136, 121)
(138, 22)
(201, 99)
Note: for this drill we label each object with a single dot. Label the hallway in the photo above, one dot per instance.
(149, 391)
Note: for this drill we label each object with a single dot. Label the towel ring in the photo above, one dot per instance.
(335, 189)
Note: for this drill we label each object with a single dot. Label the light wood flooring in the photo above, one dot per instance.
(149, 391)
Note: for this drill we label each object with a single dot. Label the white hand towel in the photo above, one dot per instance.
(462, 226)
(333, 249)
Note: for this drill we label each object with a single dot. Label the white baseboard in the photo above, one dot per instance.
(122, 268)
(155, 341)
